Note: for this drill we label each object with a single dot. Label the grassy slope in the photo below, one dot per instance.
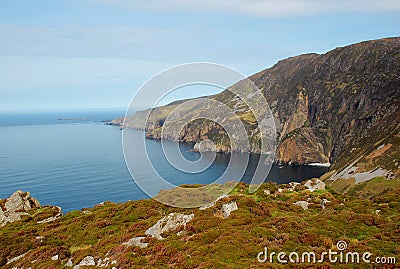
(383, 154)
(210, 242)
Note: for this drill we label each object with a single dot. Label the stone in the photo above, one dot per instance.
(137, 242)
(16, 206)
(54, 258)
(103, 262)
(69, 263)
(294, 184)
(16, 258)
(168, 223)
(87, 261)
(39, 238)
(228, 208)
(21, 201)
(15, 201)
(303, 204)
(314, 184)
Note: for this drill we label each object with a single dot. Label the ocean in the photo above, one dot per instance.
(73, 160)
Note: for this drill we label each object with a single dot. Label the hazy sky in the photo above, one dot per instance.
(83, 54)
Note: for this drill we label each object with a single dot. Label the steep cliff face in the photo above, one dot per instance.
(326, 105)
(327, 108)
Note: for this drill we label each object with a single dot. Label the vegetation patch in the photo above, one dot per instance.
(266, 218)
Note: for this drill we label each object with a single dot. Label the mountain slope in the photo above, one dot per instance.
(340, 99)
(337, 107)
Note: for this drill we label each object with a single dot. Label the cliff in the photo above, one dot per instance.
(338, 108)
(324, 105)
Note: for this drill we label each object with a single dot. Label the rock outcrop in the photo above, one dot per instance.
(15, 206)
(168, 223)
(90, 261)
(302, 204)
(314, 184)
(137, 242)
(228, 208)
(87, 261)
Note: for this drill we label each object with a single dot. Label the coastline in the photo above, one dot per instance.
(118, 122)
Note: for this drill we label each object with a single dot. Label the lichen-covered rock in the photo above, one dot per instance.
(314, 184)
(303, 204)
(16, 206)
(168, 223)
(20, 201)
(137, 242)
(228, 208)
(87, 261)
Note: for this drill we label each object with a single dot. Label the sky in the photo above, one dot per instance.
(94, 54)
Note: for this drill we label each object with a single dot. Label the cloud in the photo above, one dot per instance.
(168, 44)
(258, 8)
(104, 41)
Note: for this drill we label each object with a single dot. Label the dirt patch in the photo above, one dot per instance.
(379, 151)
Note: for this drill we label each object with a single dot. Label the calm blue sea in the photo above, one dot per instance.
(74, 160)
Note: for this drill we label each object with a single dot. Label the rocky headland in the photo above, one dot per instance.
(338, 109)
